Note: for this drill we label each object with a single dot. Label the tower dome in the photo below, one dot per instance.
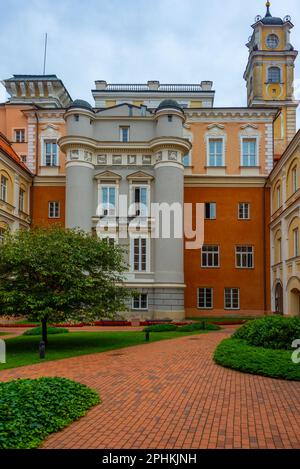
(169, 103)
(269, 19)
(81, 104)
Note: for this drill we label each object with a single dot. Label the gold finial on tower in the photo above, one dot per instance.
(268, 4)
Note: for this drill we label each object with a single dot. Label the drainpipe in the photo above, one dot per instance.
(36, 160)
(264, 245)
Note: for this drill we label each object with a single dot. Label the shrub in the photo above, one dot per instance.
(198, 326)
(161, 328)
(238, 355)
(31, 409)
(273, 332)
(50, 330)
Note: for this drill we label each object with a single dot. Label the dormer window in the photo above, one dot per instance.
(272, 41)
(274, 75)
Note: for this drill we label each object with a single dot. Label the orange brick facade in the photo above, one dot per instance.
(40, 198)
(227, 231)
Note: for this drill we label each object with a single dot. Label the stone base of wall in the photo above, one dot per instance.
(163, 303)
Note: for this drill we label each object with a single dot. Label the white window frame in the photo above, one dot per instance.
(132, 242)
(122, 127)
(294, 179)
(50, 140)
(208, 139)
(296, 242)
(22, 194)
(134, 186)
(239, 255)
(111, 212)
(256, 139)
(215, 209)
(241, 206)
(4, 188)
(205, 299)
(49, 208)
(231, 298)
(212, 253)
(278, 194)
(140, 302)
(23, 140)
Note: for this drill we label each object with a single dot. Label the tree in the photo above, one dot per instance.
(53, 274)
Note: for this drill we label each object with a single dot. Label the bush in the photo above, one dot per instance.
(198, 326)
(50, 330)
(161, 328)
(31, 409)
(237, 354)
(273, 332)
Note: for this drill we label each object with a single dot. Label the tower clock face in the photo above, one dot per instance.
(272, 41)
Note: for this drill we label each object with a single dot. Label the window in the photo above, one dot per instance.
(296, 242)
(170, 118)
(140, 254)
(215, 152)
(249, 149)
(2, 233)
(53, 209)
(205, 298)
(244, 256)
(232, 298)
(295, 179)
(20, 135)
(140, 201)
(109, 240)
(76, 118)
(278, 197)
(186, 160)
(51, 153)
(24, 158)
(274, 75)
(140, 301)
(108, 200)
(210, 256)
(210, 210)
(4, 184)
(21, 200)
(272, 41)
(124, 134)
(244, 211)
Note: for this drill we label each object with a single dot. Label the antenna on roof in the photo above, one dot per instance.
(45, 53)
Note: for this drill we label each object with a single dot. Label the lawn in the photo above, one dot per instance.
(23, 350)
(238, 355)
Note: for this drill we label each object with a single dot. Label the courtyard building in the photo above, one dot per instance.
(101, 168)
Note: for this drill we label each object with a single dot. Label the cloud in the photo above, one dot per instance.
(136, 40)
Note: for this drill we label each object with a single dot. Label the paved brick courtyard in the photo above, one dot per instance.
(170, 394)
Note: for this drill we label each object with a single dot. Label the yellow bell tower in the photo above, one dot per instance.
(270, 74)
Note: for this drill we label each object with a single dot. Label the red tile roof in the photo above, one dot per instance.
(6, 147)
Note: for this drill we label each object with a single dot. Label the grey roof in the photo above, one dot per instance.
(81, 104)
(269, 19)
(32, 77)
(169, 103)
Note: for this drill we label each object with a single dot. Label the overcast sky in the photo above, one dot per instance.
(132, 41)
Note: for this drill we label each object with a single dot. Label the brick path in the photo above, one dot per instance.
(170, 394)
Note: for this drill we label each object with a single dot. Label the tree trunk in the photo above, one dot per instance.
(44, 331)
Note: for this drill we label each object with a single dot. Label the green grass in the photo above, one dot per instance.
(238, 355)
(5, 333)
(23, 350)
(32, 409)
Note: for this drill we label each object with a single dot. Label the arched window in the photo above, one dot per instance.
(274, 75)
(278, 298)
